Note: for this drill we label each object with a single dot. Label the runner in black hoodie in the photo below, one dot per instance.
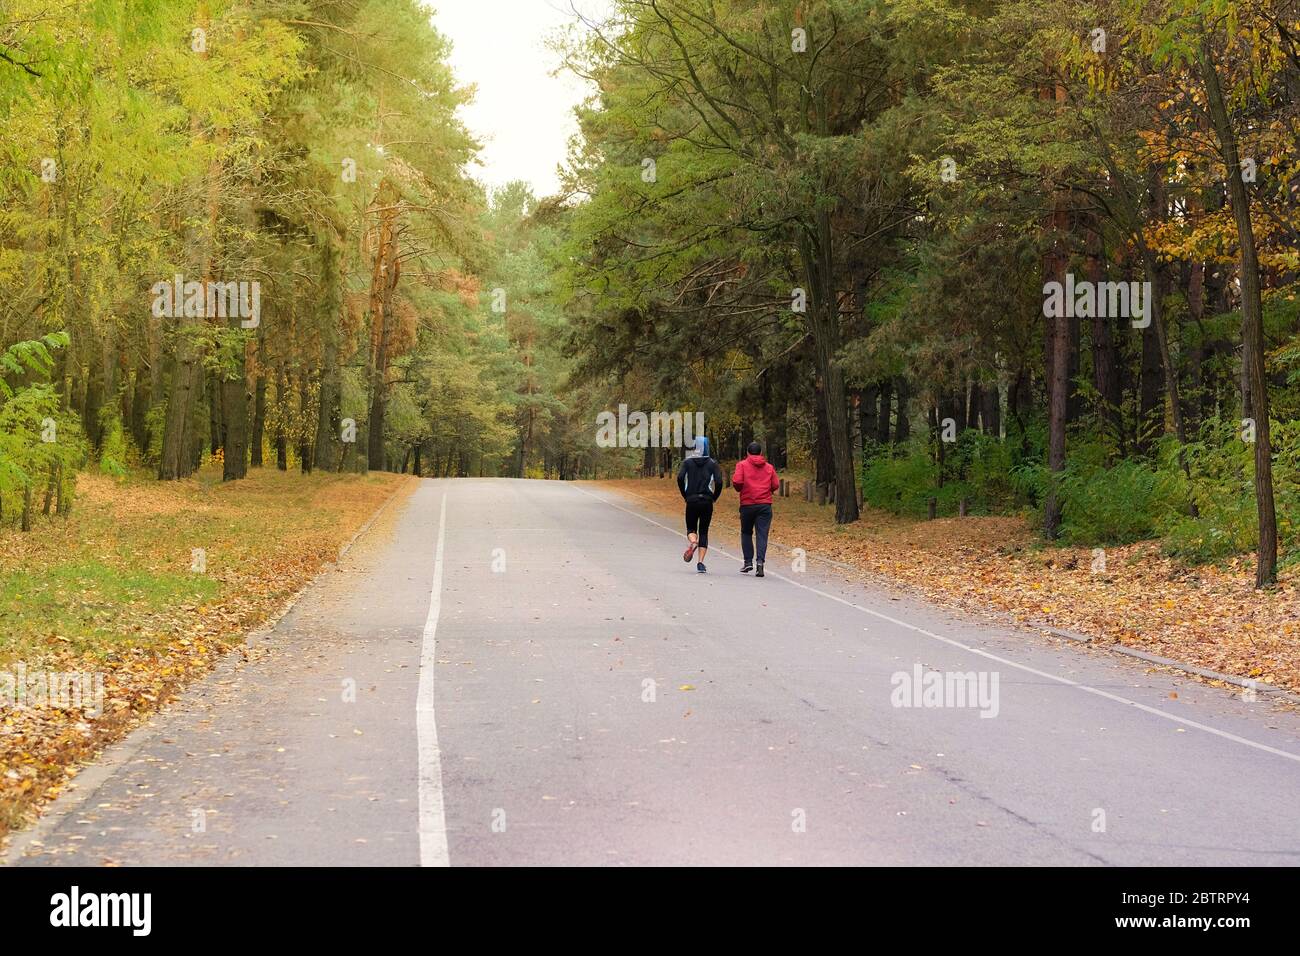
(700, 482)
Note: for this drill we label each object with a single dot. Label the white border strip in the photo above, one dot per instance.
(1155, 711)
(433, 820)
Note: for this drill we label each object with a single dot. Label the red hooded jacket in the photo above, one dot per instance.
(756, 481)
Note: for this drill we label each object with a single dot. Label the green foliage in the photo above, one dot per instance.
(978, 468)
(113, 447)
(40, 444)
(1223, 478)
(154, 420)
(991, 475)
(1131, 501)
(901, 483)
(1140, 499)
(41, 447)
(1226, 528)
(29, 357)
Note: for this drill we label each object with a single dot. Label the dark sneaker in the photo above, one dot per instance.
(759, 573)
(701, 568)
(746, 569)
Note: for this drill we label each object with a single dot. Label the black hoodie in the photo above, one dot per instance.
(699, 478)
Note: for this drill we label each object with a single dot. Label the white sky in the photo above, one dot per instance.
(522, 114)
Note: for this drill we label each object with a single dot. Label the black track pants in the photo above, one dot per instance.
(754, 519)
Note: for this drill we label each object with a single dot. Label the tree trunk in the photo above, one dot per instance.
(1252, 321)
(1150, 401)
(902, 421)
(1105, 365)
(1194, 402)
(178, 434)
(233, 389)
(1058, 394)
(882, 418)
(212, 390)
(991, 412)
(974, 402)
(49, 490)
(182, 452)
(1073, 400)
(375, 427)
(777, 440)
(281, 420)
(934, 416)
(1058, 367)
(823, 456)
(329, 416)
(141, 401)
(774, 421)
(823, 314)
(868, 413)
(1056, 350)
(95, 399)
(1158, 276)
(259, 420)
(305, 454)
(234, 425)
(383, 282)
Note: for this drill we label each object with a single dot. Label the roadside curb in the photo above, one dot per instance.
(1260, 687)
(97, 772)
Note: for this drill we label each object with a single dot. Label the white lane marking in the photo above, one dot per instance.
(433, 820)
(982, 653)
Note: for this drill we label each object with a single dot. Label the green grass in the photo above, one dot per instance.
(87, 606)
(115, 575)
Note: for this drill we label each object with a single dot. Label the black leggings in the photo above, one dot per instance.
(698, 516)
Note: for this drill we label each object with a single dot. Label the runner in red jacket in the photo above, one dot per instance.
(756, 481)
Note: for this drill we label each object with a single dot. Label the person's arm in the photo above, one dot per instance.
(717, 481)
(735, 477)
(776, 482)
(681, 480)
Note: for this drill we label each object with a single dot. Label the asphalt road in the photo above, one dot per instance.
(510, 672)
